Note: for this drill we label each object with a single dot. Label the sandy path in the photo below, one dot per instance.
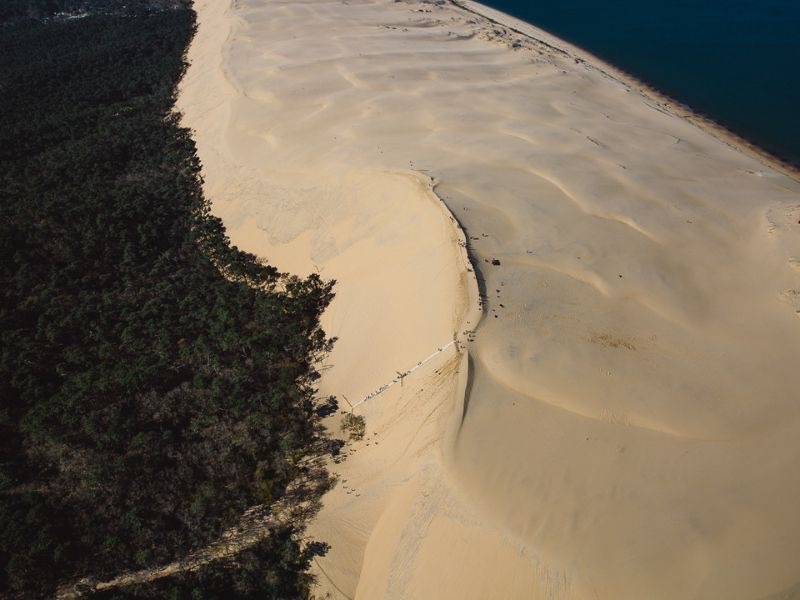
(631, 417)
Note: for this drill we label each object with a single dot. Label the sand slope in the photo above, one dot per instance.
(629, 428)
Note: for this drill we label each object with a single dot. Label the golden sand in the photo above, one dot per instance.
(624, 421)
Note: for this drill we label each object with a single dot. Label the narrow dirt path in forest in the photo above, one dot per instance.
(300, 502)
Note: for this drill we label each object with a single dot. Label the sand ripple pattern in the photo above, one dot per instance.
(631, 421)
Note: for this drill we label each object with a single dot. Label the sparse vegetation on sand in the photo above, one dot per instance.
(354, 426)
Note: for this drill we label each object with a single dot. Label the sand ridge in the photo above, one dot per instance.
(628, 428)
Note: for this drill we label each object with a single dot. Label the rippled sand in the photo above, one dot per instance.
(629, 424)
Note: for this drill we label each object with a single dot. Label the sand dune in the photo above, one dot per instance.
(628, 424)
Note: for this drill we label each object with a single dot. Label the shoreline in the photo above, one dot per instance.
(661, 100)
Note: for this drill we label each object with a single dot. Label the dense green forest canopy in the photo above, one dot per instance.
(156, 381)
(14, 10)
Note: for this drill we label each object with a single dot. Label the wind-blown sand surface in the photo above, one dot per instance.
(625, 422)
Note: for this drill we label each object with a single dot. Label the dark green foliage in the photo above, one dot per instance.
(12, 11)
(266, 571)
(155, 380)
(354, 425)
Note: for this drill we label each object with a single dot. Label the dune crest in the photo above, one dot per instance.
(619, 417)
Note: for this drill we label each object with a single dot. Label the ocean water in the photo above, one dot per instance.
(736, 62)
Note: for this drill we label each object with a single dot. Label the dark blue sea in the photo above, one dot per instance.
(736, 62)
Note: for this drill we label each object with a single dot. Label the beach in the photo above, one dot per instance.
(568, 311)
